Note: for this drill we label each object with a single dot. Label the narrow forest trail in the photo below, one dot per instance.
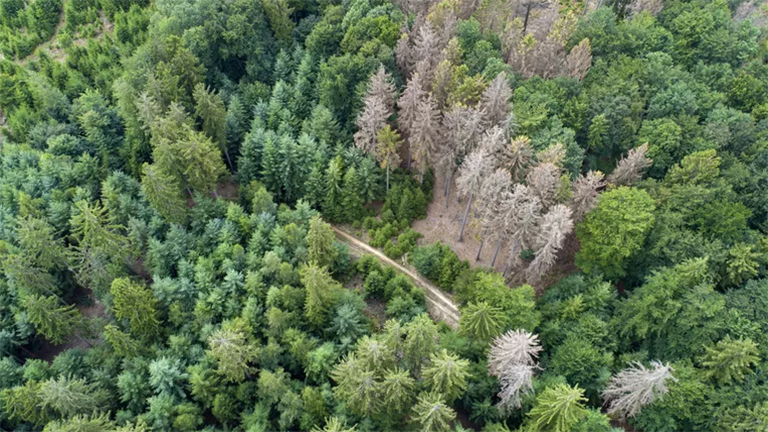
(439, 304)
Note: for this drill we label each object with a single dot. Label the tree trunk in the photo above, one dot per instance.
(409, 159)
(447, 192)
(480, 249)
(229, 161)
(387, 176)
(496, 254)
(190, 193)
(527, 15)
(464, 221)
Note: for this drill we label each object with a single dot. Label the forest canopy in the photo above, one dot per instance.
(180, 181)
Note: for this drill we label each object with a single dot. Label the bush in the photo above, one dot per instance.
(438, 263)
(405, 243)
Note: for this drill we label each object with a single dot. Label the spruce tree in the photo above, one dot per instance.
(210, 110)
(51, 319)
(333, 197)
(164, 194)
(320, 242)
(447, 374)
(352, 202)
(557, 409)
(322, 292)
(481, 321)
(232, 348)
(120, 341)
(432, 414)
(136, 304)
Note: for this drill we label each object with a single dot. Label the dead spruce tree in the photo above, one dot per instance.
(408, 107)
(493, 190)
(462, 130)
(370, 121)
(425, 135)
(635, 387)
(544, 181)
(631, 167)
(553, 229)
(554, 154)
(517, 156)
(495, 102)
(513, 360)
(524, 218)
(471, 174)
(426, 51)
(545, 53)
(586, 189)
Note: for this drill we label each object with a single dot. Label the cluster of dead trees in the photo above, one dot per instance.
(464, 127)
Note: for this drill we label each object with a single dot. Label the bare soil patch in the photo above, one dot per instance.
(443, 223)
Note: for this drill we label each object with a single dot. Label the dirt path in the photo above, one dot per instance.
(439, 304)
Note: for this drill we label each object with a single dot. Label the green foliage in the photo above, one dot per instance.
(614, 231)
(518, 305)
(730, 360)
(557, 409)
(136, 305)
(439, 264)
(217, 298)
(53, 320)
(432, 414)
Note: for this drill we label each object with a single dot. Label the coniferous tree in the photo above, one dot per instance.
(493, 190)
(408, 106)
(421, 335)
(314, 187)
(210, 109)
(544, 181)
(447, 374)
(471, 175)
(555, 225)
(557, 409)
(517, 156)
(334, 177)
(388, 149)
(397, 388)
(432, 413)
(522, 211)
(481, 321)
(352, 202)
(631, 167)
(322, 292)
(68, 396)
(586, 189)
(462, 130)
(53, 320)
(163, 193)
(378, 107)
(201, 162)
(635, 387)
(425, 135)
(494, 102)
(320, 240)
(232, 349)
(121, 342)
(730, 359)
(136, 304)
